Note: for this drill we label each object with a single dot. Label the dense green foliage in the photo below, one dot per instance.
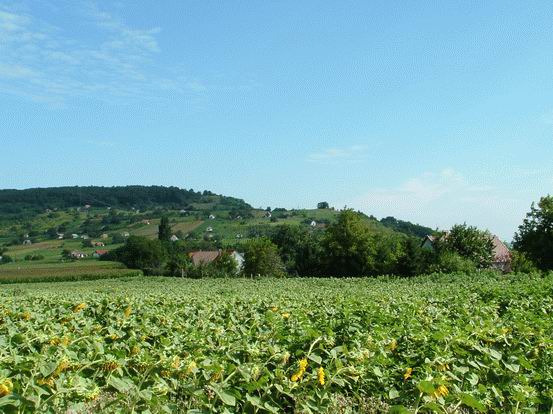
(443, 343)
(535, 236)
(469, 243)
(406, 227)
(18, 203)
(262, 258)
(164, 230)
(140, 253)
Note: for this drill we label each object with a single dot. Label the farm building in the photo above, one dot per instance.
(174, 238)
(100, 253)
(77, 255)
(98, 244)
(211, 217)
(501, 254)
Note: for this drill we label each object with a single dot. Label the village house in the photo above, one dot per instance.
(501, 254)
(77, 255)
(98, 244)
(75, 236)
(211, 217)
(204, 257)
(209, 229)
(27, 242)
(99, 253)
(174, 238)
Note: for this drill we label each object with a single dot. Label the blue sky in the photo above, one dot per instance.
(435, 112)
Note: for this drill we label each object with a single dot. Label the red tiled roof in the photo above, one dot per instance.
(101, 252)
(203, 257)
(500, 252)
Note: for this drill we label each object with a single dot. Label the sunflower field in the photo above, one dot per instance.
(439, 343)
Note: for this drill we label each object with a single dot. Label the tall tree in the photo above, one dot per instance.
(262, 258)
(470, 243)
(164, 230)
(349, 247)
(299, 249)
(535, 234)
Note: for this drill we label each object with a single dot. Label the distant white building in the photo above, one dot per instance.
(174, 238)
(125, 234)
(313, 223)
(211, 217)
(27, 242)
(209, 229)
(239, 259)
(75, 236)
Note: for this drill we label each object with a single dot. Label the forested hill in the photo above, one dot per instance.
(35, 200)
(406, 227)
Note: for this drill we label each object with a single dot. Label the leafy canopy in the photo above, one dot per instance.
(535, 235)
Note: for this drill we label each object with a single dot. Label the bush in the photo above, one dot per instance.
(6, 259)
(521, 263)
(449, 262)
(33, 257)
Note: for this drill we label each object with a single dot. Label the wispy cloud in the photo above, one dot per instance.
(441, 199)
(351, 153)
(44, 63)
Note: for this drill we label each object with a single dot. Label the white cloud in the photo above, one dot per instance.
(445, 198)
(44, 63)
(352, 153)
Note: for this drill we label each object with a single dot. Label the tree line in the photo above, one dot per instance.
(349, 248)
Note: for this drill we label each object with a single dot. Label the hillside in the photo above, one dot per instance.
(41, 223)
(20, 204)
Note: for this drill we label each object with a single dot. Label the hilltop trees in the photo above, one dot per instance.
(535, 235)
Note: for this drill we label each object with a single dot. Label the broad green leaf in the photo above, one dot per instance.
(426, 386)
(472, 402)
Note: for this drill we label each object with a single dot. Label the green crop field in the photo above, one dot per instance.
(462, 343)
(52, 272)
